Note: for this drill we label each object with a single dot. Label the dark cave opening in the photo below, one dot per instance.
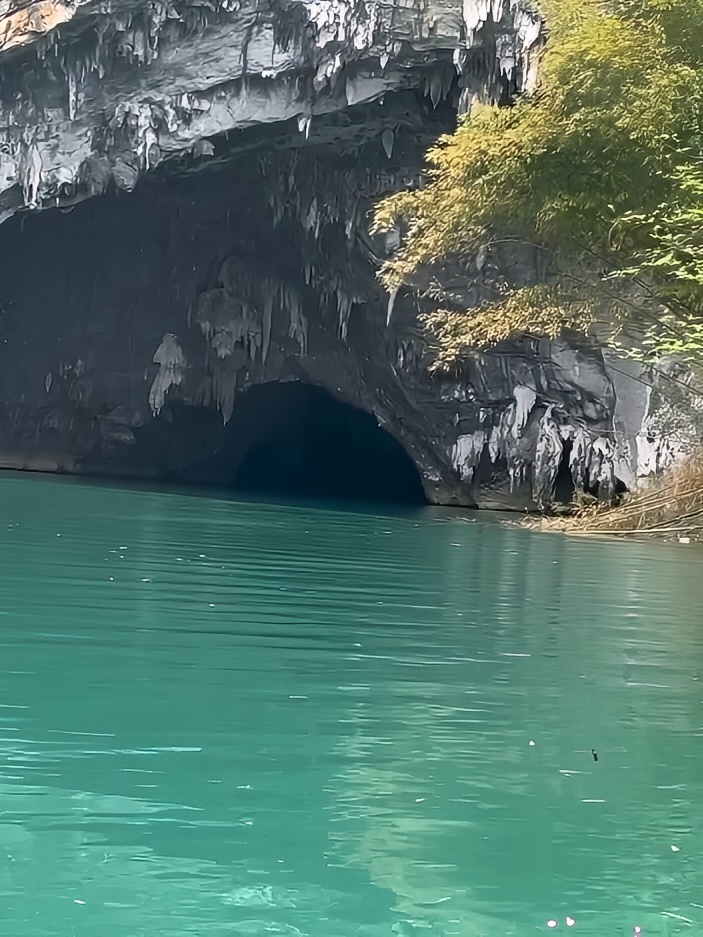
(564, 488)
(289, 440)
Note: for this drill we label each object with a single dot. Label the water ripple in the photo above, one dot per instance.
(244, 718)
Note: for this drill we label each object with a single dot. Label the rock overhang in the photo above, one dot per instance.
(97, 94)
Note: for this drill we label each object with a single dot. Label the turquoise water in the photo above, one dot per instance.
(232, 718)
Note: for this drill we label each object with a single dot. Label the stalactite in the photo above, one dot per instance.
(72, 95)
(298, 323)
(529, 434)
(388, 139)
(392, 296)
(315, 45)
(467, 452)
(30, 173)
(548, 451)
(172, 363)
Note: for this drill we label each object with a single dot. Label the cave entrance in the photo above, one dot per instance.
(564, 488)
(295, 440)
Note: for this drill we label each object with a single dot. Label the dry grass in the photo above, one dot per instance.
(672, 506)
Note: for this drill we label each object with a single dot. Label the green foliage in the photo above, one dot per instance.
(666, 245)
(532, 310)
(602, 165)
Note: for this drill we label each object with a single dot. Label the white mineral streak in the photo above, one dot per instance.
(648, 447)
(266, 325)
(72, 95)
(304, 124)
(344, 307)
(172, 365)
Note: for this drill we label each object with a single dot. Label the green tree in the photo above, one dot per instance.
(602, 166)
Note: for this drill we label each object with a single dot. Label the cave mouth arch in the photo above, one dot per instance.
(296, 440)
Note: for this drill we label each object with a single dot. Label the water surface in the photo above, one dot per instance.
(221, 717)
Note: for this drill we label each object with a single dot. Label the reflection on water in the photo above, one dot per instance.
(253, 719)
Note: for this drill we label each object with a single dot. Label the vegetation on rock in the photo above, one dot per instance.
(601, 166)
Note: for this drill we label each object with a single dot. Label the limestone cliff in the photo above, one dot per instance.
(227, 155)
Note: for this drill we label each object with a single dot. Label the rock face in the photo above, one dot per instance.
(234, 150)
(94, 93)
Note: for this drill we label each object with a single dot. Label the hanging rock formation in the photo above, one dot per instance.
(227, 155)
(94, 93)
